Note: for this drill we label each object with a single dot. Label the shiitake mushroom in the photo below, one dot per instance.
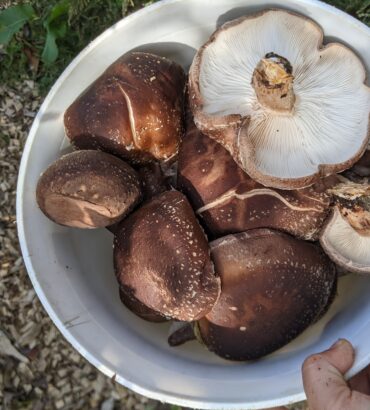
(88, 189)
(138, 308)
(228, 201)
(162, 258)
(273, 286)
(256, 87)
(133, 110)
(153, 181)
(345, 236)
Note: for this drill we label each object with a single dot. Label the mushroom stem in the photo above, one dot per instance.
(353, 201)
(273, 83)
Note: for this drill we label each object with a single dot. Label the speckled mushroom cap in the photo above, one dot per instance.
(88, 189)
(133, 110)
(289, 109)
(273, 287)
(139, 309)
(229, 201)
(345, 236)
(161, 256)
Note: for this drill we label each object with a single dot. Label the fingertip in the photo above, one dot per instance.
(341, 355)
(342, 344)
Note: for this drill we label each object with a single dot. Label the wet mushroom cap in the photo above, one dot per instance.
(228, 201)
(88, 189)
(345, 236)
(257, 87)
(138, 308)
(273, 287)
(161, 254)
(133, 110)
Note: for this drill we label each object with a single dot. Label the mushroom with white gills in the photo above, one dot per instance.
(273, 287)
(162, 258)
(346, 235)
(266, 88)
(228, 201)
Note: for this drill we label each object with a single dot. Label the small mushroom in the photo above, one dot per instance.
(273, 287)
(360, 172)
(162, 256)
(133, 110)
(153, 182)
(88, 189)
(289, 109)
(346, 235)
(229, 201)
(138, 308)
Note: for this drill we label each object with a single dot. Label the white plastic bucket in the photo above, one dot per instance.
(72, 271)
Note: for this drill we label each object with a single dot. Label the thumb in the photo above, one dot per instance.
(323, 379)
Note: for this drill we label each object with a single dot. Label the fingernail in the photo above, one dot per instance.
(338, 343)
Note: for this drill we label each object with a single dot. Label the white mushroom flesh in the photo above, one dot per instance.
(345, 245)
(329, 121)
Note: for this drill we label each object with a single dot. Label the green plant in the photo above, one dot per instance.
(357, 8)
(38, 38)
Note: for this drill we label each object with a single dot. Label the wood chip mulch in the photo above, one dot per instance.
(38, 368)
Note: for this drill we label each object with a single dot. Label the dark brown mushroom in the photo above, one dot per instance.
(88, 189)
(144, 312)
(273, 287)
(161, 254)
(229, 201)
(153, 182)
(133, 110)
(360, 172)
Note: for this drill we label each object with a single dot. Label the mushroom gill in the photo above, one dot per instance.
(280, 102)
(346, 235)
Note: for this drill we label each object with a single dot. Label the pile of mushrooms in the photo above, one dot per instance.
(235, 194)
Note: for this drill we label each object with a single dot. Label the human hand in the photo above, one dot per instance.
(324, 384)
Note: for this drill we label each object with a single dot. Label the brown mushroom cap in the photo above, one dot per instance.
(273, 287)
(161, 254)
(255, 87)
(88, 189)
(133, 110)
(229, 201)
(138, 308)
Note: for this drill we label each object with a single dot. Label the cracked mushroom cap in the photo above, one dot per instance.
(273, 287)
(133, 110)
(229, 201)
(346, 235)
(88, 189)
(289, 109)
(161, 255)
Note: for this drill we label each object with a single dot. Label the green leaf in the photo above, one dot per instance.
(13, 19)
(50, 51)
(60, 9)
(56, 27)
